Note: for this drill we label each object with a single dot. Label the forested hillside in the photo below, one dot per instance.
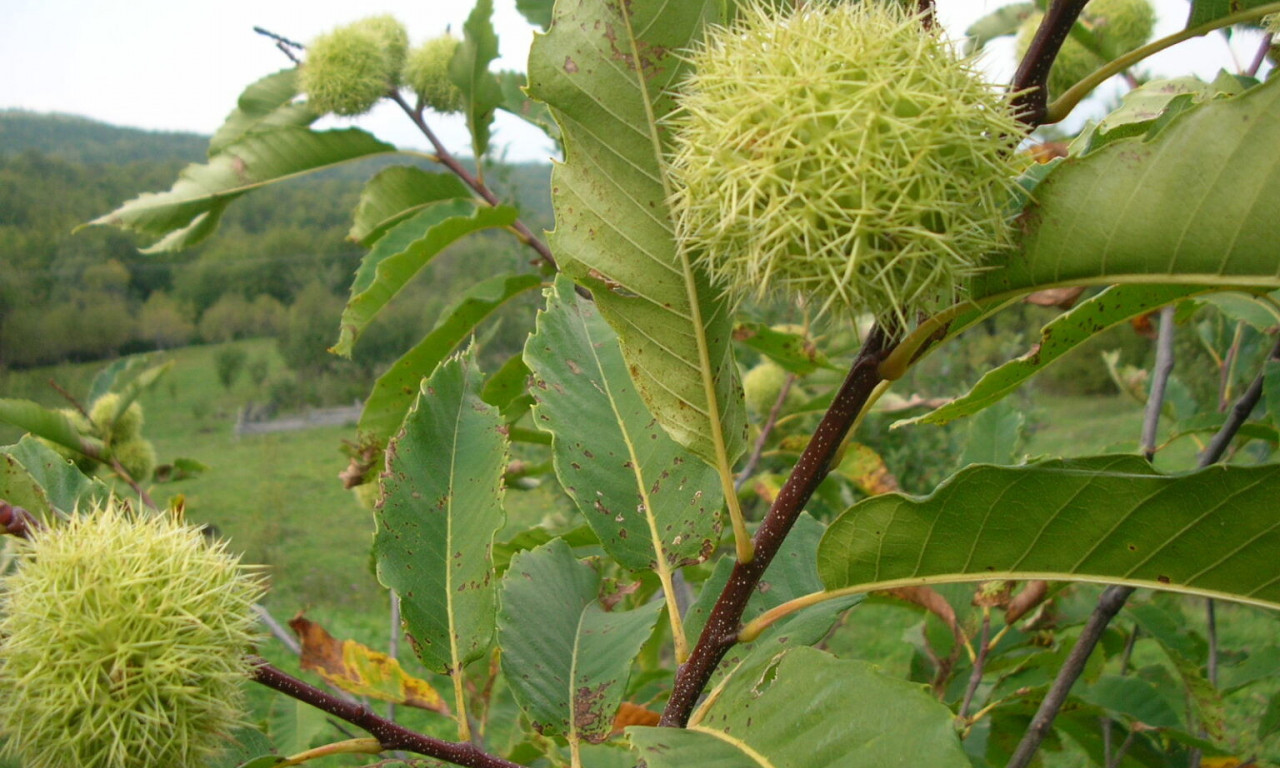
(276, 268)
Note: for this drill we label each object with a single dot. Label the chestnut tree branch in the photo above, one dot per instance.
(446, 158)
(721, 630)
(390, 735)
(1030, 83)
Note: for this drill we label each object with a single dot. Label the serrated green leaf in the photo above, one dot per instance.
(394, 391)
(405, 249)
(1065, 332)
(246, 748)
(20, 489)
(792, 351)
(396, 193)
(608, 70)
(442, 505)
(782, 719)
(65, 488)
(1150, 107)
(647, 498)
(1271, 390)
(43, 422)
(189, 211)
(1002, 21)
(106, 378)
(517, 102)
(1131, 697)
(1256, 311)
(508, 388)
(1108, 519)
(293, 725)
(566, 658)
(469, 70)
(1194, 205)
(536, 12)
(994, 436)
(265, 105)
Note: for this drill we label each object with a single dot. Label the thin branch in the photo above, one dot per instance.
(1260, 56)
(975, 677)
(721, 630)
(446, 158)
(1159, 381)
(1238, 415)
(1030, 83)
(390, 735)
(1112, 600)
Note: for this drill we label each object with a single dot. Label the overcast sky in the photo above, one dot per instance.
(176, 65)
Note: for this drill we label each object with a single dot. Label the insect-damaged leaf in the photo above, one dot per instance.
(565, 656)
(607, 70)
(643, 495)
(359, 669)
(442, 506)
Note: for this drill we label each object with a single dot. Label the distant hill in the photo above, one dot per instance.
(81, 140)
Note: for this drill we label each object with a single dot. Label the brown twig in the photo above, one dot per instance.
(390, 735)
(1260, 56)
(17, 521)
(721, 630)
(446, 158)
(1030, 83)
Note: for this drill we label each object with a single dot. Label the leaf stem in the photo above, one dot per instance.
(390, 735)
(364, 746)
(721, 630)
(1062, 106)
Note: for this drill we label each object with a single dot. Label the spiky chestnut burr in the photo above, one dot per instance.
(103, 414)
(138, 457)
(349, 69)
(841, 153)
(122, 644)
(427, 73)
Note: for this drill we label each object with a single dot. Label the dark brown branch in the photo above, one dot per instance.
(1030, 83)
(1114, 597)
(721, 630)
(1159, 381)
(446, 158)
(389, 735)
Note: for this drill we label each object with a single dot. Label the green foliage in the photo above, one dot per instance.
(228, 362)
(535, 522)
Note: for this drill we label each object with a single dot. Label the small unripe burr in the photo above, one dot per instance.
(427, 73)
(349, 69)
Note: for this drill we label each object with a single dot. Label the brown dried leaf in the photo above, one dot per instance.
(360, 670)
(633, 714)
